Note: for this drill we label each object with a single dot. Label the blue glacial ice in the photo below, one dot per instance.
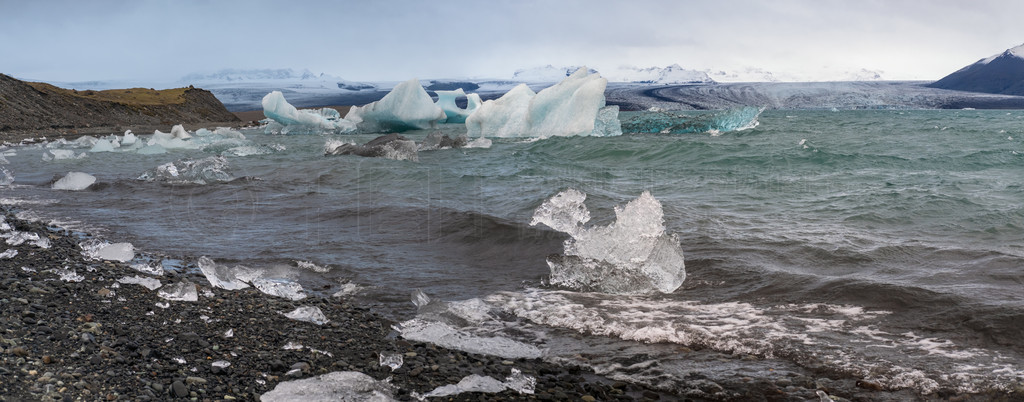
(632, 255)
(289, 120)
(406, 107)
(454, 114)
(573, 107)
(669, 122)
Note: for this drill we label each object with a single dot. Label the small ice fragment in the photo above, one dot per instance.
(292, 346)
(309, 314)
(74, 181)
(148, 269)
(293, 372)
(6, 177)
(390, 359)
(148, 283)
(280, 288)
(516, 381)
(347, 289)
(221, 364)
(223, 277)
(27, 269)
(163, 305)
(229, 333)
(17, 238)
(10, 253)
(521, 383)
(100, 250)
(42, 242)
(336, 386)
(207, 293)
(179, 360)
(68, 275)
(181, 291)
(419, 298)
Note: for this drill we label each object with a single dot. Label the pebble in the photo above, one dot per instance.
(19, 351)
(195, 380)
(178, 389)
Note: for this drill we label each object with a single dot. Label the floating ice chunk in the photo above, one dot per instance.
(573, 107)
(129, 138)
(517, 381)
(221, 276)
(213, 169)
(455, 114)
(74, 181)
(406, 107)
(181, 291)
(336, 386)
(347, 289)
(61, 154)
(392, 360)
(10, 253)
(292, 120)
(308, 314)
(444, 335)
(178, 131)
(280, 288)
(633, 255)
(102, 146)
(154, 149)
(479, 142)
(148, 283)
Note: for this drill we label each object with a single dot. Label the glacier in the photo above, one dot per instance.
(570, 108)
(292, 120)
(406, 107)
(632, 255)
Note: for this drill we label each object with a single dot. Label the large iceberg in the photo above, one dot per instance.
(292, 120)
(573, 107)
(632, 255)
(406, 107)
(455, 114)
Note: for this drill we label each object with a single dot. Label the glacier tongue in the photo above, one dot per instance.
(573, 107)
(633, 255)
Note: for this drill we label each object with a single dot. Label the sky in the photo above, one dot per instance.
(160, 41)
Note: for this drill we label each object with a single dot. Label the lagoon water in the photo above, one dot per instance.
(879, 245)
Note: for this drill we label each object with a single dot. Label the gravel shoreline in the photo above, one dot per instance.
(98, 339)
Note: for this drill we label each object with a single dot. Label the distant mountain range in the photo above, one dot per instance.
(1001, 74)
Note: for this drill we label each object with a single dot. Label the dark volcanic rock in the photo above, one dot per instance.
(1001, 74)
(46, 108)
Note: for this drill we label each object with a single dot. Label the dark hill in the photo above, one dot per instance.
(1001, 74)
(46, 109)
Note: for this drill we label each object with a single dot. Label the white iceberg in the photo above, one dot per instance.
(290, 119)
(74, 181)
(102, 146)
(406, 107)
(129, 138)
(633, 255)
(453, 113)
(337, 386)
(308, 314)
(573, 107)
(61, 154)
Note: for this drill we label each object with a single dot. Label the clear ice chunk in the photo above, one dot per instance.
(391, 359)
(154, 270)
(632, 255)
(10, 253)
(68, 275)
(336, 386)
(74, 181)
(223, 277)
(308, 314)
(147, 282)
(101, 250)
(445, 335)
(516, 381)
(181, 291)
(212, 169)
(280, 288)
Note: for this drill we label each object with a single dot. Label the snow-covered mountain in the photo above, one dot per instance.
(754, 74)
(1002, 73)
(282, 77)
(546, 73)
(673, 74)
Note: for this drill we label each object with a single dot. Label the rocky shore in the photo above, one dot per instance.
(70, 331)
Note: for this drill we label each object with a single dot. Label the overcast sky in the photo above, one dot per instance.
(396, 40)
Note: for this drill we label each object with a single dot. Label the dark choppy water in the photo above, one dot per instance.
(884, 245)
